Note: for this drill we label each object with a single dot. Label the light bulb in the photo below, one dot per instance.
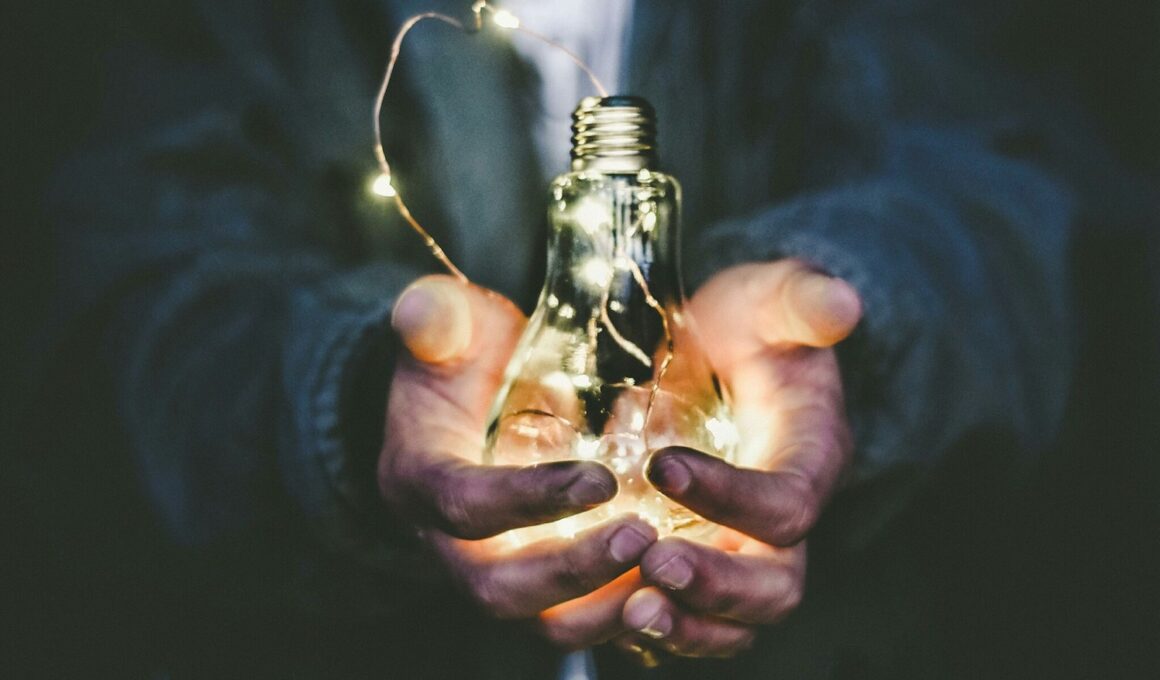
(583, 382)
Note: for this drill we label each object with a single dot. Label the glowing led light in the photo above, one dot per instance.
(596, 272)
(615, 306)
(567, 527)
(505, 19)
(576, 360)
(650, 514)
(567, 311)
(592, 215)
(587, 448)
(552, 301)
(557, 381)
(724, 433)
(637, 421)
(381, 186)
(648, 221)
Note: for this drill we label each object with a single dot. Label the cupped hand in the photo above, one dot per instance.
(769, 330)
(459, 338)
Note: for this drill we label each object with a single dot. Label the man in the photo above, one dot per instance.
(249, 286)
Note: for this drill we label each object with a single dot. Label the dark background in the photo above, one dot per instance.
(1054, 575)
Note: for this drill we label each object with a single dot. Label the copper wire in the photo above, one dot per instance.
(478, 8)
(396, 48)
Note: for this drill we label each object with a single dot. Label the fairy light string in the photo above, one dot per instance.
(383, 184)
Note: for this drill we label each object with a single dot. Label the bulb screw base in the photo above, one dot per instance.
(614, 135)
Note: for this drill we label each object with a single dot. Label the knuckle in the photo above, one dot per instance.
(744, 644)
(788, 601)
(798, 523)
(802, 510)
(709, 589)
(577, 575)
(721, 597)
(487, 594)
(453, 511)
(792, 599)
(535, 493)
(482, 590)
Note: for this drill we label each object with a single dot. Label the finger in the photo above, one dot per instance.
(456, 330)
(679, 632)
(776, 508)
(524, 581)
(778, 303)
(478, 501)
(809, 308)
(591, 619)
(437, 411)
(433, 318)
(759, 587)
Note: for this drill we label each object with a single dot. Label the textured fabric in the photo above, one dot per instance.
(594, 30)
(222, 233)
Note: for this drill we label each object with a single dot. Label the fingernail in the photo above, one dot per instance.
(628, 544)
(676, 574)
(659, 626)
(670, 475)
(413, 302)
(590, 489)
(645, 613)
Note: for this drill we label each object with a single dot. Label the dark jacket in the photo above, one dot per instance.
(222, 235)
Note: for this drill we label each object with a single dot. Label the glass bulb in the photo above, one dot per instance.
(583, 382)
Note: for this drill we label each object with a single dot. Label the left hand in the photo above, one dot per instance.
(458, 338)
(769, 330)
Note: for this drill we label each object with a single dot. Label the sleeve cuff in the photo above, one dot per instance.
(337, 372)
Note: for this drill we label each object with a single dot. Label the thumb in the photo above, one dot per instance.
(433, 319)
(460, 338)
(777, 303)
(807, 307)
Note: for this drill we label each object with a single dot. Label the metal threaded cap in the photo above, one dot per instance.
(614, 134)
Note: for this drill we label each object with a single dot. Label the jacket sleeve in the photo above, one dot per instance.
(218, 237)
(926, 180)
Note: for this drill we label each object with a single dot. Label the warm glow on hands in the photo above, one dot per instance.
(458, 338)
(769, 328)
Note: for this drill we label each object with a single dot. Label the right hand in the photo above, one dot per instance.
(459, 339)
